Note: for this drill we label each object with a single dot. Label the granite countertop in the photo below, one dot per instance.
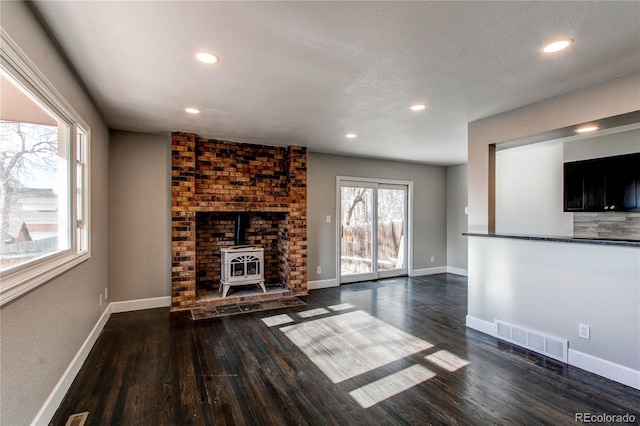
(599, 241)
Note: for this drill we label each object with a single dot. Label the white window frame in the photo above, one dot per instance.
(18, 280)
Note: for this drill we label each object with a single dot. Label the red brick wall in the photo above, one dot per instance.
(241, 173)
(213, 232)
(263, 231)
(222, 177)
(183, 226)
(296, 239)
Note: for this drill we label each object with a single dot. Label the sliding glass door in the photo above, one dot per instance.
(373, 229)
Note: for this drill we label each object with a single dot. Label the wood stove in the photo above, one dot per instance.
(241, 265)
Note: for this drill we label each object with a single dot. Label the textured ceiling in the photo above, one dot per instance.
(307, 73)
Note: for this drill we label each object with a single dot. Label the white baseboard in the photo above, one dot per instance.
(56, 396)
(457, 271)
(428, 271)
(602, 367)
(140, 304)
(481, 325)
(315, 285)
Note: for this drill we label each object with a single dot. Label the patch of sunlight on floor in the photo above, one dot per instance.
(447, 360)
(350, 344)
(341, 307)
(277, 320)
(313, 313)
(375, 392)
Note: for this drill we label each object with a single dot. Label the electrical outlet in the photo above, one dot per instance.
(319, 269)
(100, 299)
(433, 259)
(106, 293)
(328, 218)
(584, 331)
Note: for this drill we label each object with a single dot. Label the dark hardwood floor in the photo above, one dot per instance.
(154, 367)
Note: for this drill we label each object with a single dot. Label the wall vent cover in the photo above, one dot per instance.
(77, 419)
(550, 346)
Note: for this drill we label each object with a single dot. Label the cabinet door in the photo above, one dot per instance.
(574, 199)
(623, 184)
(594, 186)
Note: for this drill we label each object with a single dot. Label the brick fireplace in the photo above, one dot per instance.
(216, 183)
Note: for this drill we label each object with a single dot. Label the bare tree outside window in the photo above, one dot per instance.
(29, 162)
(355, 205)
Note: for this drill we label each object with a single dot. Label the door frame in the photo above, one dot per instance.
(409, 224)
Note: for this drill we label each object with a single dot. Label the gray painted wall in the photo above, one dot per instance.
(429, 208)
(43, 330)
(554, 287)
(140, 173)
(529, 191)
(626, 142)
(457, 244)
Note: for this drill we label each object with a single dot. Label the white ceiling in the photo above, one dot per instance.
(306, 73)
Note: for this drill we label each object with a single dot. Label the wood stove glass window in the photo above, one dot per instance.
(237, 269)
(253, 266)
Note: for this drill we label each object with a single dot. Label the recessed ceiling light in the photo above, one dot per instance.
(207, 58)
(418, 107)
(557, 45)
(588, 128)
(192, 110)
(351, 135)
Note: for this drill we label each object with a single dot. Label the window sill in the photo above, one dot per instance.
(19, 282)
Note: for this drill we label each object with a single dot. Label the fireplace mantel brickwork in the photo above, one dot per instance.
(208, 175)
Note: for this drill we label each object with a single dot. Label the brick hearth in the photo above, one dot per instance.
(211, 181)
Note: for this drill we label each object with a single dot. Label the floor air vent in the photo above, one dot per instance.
(544, 344)
(77, 419)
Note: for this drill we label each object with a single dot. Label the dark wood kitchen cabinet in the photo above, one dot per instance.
(603, 184)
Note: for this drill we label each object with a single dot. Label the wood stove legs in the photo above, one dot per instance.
(225, 287)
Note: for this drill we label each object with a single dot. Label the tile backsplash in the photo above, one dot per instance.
(613, 225)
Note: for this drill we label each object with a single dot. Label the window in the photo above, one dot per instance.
(44, 203)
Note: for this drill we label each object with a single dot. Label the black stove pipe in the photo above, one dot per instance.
(241, 226)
